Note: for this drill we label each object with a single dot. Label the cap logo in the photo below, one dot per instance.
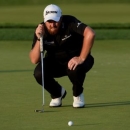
(48, 12)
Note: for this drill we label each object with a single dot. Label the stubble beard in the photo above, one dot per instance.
(53, 31)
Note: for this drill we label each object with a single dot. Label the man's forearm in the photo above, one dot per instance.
(35, 53)
(87, 43)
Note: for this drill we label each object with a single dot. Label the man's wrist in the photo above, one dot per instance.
(38, 39)
(82, 59)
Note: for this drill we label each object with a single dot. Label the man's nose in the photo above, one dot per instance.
(53, 24)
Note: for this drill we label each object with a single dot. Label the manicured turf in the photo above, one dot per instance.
(106, 91)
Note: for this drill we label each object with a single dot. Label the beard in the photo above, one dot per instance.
(53, 30)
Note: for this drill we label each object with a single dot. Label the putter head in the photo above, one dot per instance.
(40, 111)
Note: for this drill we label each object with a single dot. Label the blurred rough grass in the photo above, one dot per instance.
(87, 13)
(39, 2)
(23, 34)
(110, 20)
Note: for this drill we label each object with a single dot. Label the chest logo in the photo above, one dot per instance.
(66, 37)
(48, 42)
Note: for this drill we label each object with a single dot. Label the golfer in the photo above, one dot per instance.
(67, 49)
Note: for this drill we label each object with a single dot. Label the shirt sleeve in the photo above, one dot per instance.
(77, 26)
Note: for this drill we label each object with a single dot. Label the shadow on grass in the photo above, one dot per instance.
(102, 104)
(45, 111)
(107, 104)
(13, 71)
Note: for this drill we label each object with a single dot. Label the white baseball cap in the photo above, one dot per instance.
(52, 12)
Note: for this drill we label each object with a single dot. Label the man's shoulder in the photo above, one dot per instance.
(68, 18)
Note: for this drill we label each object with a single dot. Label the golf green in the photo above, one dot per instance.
(106, 91)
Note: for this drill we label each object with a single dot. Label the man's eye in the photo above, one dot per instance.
(51, 21)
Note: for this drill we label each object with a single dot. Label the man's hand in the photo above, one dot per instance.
(74, 62)
(39, 30)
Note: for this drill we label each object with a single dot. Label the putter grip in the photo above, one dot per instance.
(41, 43)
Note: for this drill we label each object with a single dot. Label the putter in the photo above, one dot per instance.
(42, 65)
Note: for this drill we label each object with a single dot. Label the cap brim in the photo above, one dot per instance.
(52, 18)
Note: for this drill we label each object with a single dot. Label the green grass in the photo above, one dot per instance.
(22, 34)
(87, 13)
(16, 34)
(106, 91)
(39, 2)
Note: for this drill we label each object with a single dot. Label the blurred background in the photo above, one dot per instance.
(99, 14)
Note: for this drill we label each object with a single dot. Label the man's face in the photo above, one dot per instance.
(52, 26)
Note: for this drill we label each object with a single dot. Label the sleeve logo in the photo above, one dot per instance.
(78, 24)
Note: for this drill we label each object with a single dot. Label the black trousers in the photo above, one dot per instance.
(55, 69)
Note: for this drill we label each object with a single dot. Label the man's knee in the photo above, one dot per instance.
(38, 75)
(74, 74)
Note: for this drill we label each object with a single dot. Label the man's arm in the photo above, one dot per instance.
(35, 52)
(88, 41)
